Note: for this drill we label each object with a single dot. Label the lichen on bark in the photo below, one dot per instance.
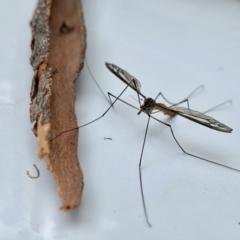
(58, 48)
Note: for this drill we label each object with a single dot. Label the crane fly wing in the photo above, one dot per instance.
(125, 77)
(201, 118)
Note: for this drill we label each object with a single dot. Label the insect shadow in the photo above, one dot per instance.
(150, 107)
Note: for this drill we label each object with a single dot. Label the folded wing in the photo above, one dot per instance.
(201, 118)
(125, 77)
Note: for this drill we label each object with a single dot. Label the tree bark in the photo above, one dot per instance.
(58, 48)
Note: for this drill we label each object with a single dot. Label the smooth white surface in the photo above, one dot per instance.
(170, 46)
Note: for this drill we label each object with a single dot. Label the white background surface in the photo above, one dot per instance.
(170, 46)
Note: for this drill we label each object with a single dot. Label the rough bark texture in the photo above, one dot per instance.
(58, 47)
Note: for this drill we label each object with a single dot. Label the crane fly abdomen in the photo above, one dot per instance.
(163, 108)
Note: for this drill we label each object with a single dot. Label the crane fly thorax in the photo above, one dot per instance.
(149, 105)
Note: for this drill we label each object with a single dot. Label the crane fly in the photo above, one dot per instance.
(150, 104)
(150, 107)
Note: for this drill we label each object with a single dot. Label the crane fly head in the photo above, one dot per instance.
(148, 106)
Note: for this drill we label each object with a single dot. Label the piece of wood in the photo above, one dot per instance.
(58, 48)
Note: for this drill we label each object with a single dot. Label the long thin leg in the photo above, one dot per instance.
(119, 99)
(100, 89)
(110, 99)
(140, 175)
(109, 96)
(140, 161)
(219, 105)
(94, 119)
(219, 164)
(185, 100)
(195, 90)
